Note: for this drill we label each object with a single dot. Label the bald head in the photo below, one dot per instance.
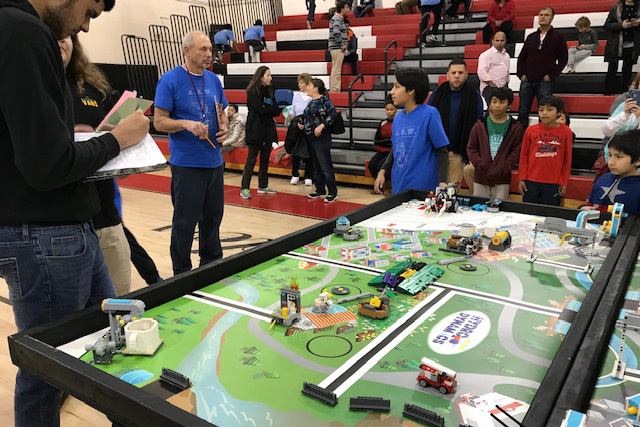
(197, 51)
(499, 40)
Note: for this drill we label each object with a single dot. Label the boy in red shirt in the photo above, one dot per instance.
(382, 140)
(545, 157)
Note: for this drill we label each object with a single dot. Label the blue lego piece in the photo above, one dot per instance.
(479, 207)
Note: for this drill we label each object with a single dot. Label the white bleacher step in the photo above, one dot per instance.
(318, 34)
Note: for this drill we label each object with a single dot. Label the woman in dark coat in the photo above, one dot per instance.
(261, 130)
(623, 42)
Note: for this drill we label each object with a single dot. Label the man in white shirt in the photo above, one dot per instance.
(493, 67)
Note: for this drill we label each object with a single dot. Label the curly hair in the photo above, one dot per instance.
(82, 71)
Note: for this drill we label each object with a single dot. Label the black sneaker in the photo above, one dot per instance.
(330, 198)
(315, 195)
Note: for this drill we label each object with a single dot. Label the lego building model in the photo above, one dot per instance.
(500, 241)
(442, 200)
(120, 312)
(343, 229)
(435, 375)
(493, 205)
(408, 277)
(559, 227)
(377, 307)
(467, 242)
(323, 303)
(142, 337)
(617, 213)
(289, 311)
(630, 323)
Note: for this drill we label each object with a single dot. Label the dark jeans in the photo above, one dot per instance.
(263, 173)
(506, 27)
(528, 91)
(322, 163)
(308, 167)
(455, 4)
(312, 10)
(376, 162)
(610, 83)
(197, 195)
(141, 259)
(424, 21)
(361, 12)
(51, 271)
(353, 57)
(545, 194)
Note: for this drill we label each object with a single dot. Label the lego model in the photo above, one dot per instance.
(323, 303)
(467, 242)
(289, 311)
(453, 260)
(343, 229)
(617, 213)
(631, 322)
(120, 312)
(468, 267)
(574, 419)
(435, 375)
(632, 403)
(369, 404)
(558, 226)
(174, 379)
(142, 337)
(493, 205)
(377, 307)
(422, 415)
(501, 241)
(479, 207)
(340, 290)
(408, 277)
(582, 220)
(442, 200)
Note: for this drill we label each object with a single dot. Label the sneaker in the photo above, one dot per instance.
(308, 183)
(294, 180)
(432, 38)
(330, 198)
(267, 190)
(245, 194)
(315, 195)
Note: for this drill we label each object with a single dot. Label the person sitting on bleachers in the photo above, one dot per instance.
(365, 7)
(382, 140)
(542, 59)
(587, 44)
(626, 117)
(403, 7)
(623, 42)
(493, 67)
(501, 16)
(254, 38)
(351, 54)
(635, 84)
(622, 183)
(224, 40)
(237, 130)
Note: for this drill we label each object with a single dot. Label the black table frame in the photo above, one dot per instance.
(35, 349)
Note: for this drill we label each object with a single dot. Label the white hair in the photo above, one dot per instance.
(189, 39)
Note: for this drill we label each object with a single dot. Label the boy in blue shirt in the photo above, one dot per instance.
(185, 109)
(419, 157)
(622, 183)
(224, 40)
(254, 38)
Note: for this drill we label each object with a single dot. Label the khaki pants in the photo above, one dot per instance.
(458, 170)
(404, 7)
(500, 191)
(117, 256)
(335, 82)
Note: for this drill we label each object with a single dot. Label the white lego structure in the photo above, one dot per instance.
(631, 322)
(323, 303)
(142, 337)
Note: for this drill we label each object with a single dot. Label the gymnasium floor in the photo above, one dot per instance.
(148, 216)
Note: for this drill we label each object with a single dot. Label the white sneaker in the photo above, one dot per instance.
(294, 180)
(432, 38)
(308, 182)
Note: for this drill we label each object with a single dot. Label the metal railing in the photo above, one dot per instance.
(351, 104)
(199, 17)
(426, 30)
(163, 47)
(140, 67)
(387, 65)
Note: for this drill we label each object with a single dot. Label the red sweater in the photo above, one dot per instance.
(505, 13)
(546, 155)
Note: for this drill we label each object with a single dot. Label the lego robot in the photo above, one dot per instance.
(442, 200)
(467, 242)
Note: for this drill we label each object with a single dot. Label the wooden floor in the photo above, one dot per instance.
(145, 213)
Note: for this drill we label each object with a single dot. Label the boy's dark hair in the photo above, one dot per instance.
(234, 106)
(388, 101)
(108, 5)
(567, 118)
(503, 93)
(627, 143)
(552, 101)
(414, 79)
(457, 61)
(340, 4)
(258, 22)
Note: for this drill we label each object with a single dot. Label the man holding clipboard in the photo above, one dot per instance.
(188, 103)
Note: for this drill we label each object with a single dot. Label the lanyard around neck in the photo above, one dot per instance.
(204, 95)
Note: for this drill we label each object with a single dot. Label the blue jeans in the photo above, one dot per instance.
(529, 90)
(51, 271)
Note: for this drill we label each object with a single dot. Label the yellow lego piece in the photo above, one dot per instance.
(285, 313)
(376, 302)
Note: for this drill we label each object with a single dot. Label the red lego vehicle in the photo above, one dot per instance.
(435, 375)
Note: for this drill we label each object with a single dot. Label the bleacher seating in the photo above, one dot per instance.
(294, 49)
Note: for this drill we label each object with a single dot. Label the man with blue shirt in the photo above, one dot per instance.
(254, 38)
(460, 106)
(224, 40)
(185, 108)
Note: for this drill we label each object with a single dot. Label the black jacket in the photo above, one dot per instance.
(613, 26)
(261, 128)
(41, 168)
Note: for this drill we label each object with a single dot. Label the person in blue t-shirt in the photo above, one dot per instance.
(224, 40)
(185, 108)
(418, 159)
(622, 183)
(254, 38)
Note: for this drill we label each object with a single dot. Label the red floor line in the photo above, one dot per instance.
(291, 204)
